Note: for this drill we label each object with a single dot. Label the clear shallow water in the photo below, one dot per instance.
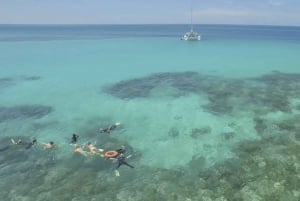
(171, 134)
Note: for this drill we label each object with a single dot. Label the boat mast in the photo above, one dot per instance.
(191, 15)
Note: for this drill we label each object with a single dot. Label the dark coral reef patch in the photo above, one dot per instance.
(267, 93)
(262, 169)
(6, 82)
(141, 87)
(23, 112)
(32, 78)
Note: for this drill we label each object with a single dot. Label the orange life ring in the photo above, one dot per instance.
(111, 154)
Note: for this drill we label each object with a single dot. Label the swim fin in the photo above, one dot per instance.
(13, 141)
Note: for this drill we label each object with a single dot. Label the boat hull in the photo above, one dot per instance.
(191, 36)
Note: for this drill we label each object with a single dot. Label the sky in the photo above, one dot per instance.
(257, 12)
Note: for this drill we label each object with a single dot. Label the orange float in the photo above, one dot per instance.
(111, 154)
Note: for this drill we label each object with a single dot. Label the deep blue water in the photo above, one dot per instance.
(84, 32)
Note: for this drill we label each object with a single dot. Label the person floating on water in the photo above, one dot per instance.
(94, 150)
(122, 150)
(20, 142)
(74, 138)
(29, 145)
(119, 156)
(121, 161)
(79, 149)
(48, 145)
(15, 142)
(109, 128)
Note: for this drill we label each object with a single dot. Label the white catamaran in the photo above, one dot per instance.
(191, 35)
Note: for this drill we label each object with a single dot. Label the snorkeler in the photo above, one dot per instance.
(93, 150)
(122, 150)
(48, 145)
(109, 128)
(121, 161)
(74, 138)
(27, 145)
(79, 149)
(30, 144)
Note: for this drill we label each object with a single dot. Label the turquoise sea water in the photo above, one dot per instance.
(204, 120)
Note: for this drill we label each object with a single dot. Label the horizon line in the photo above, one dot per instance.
(125, 24)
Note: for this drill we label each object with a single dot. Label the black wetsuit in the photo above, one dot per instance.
(104, 130)
(121, 151)
(108, 129)
(74, 139)
(121, 161)
(29, 145)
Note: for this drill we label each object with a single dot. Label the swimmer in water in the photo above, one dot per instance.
(109, 128)
(121, 161)
(74, 138)
(94, 150)
(79, 149)
(29, 145)
(48, 145)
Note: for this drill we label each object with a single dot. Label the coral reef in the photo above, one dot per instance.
(263, 169)
(173, 132)
(198, 132)
(266, 168)
(268, 93)
(6, 82)
(141, 87)
(23, 112)
(32, 78)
